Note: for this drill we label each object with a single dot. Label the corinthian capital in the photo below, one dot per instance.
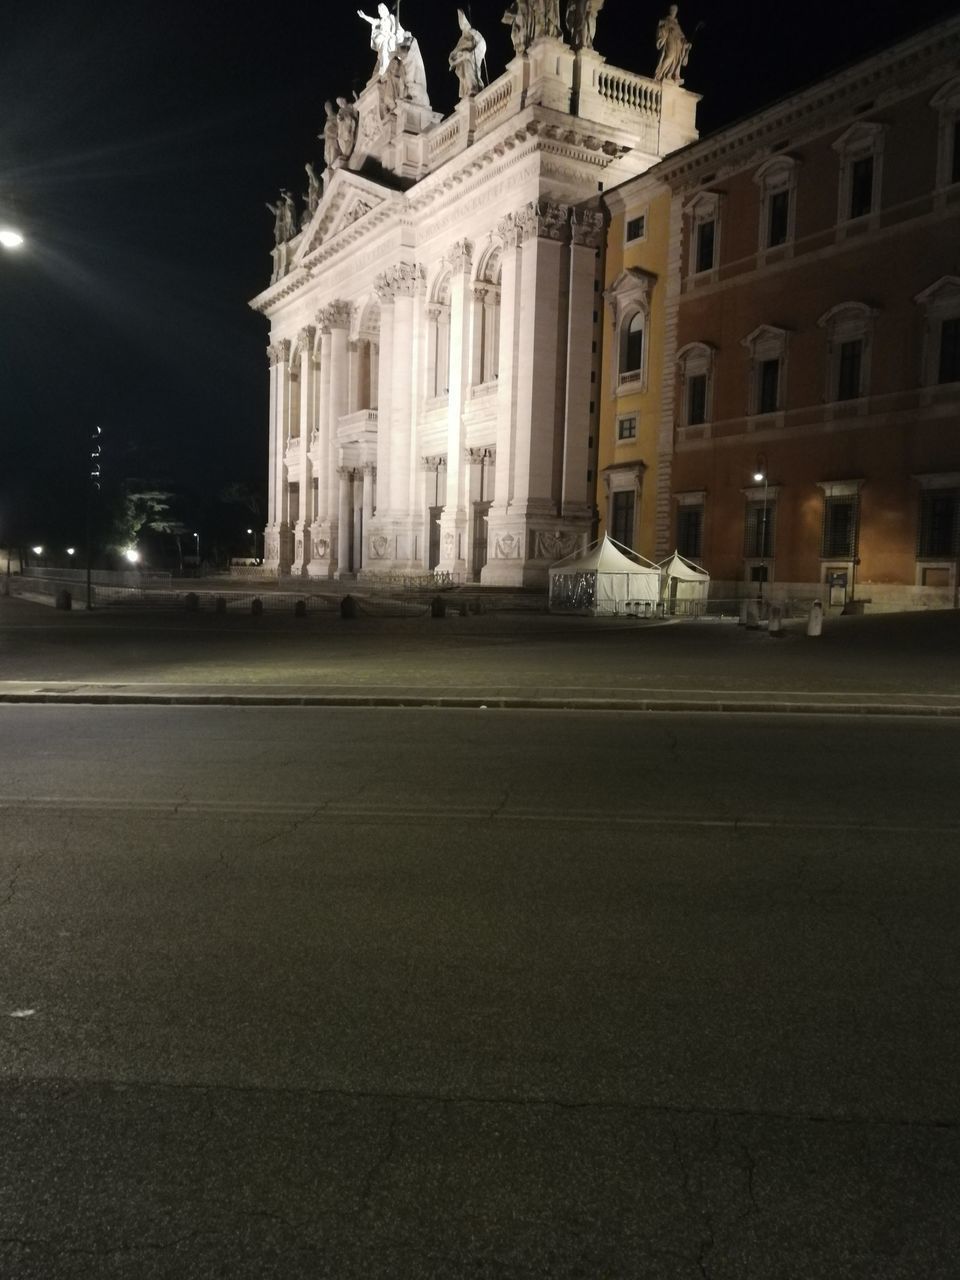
(279, 352)
(544, 220)
(336, 315)
(586, 227)
(459, 256)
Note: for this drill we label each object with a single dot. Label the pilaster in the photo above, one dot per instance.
(453, 522)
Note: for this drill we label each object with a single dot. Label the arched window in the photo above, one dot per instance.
(632, 359)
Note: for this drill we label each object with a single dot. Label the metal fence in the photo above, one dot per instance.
(101, 577)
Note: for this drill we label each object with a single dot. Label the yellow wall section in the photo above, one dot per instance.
(651, 254)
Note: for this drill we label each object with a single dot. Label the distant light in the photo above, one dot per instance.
(71, 551)
(132, 555)
(10, 239)
(249, 531)
(37, 551)
(759, 477)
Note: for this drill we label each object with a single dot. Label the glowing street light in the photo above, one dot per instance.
(71, 551)
(37, 551)
(10, 239)
(131, 555)
(760, 477)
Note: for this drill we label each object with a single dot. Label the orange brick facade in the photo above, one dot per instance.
(814, 417)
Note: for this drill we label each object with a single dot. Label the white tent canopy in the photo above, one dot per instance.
(604, 579)
(683, 580)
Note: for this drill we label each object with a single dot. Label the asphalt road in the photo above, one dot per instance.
(309, 993)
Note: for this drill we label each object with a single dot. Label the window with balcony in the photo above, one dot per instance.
(941, 311)
(860, 150)
(939, 525)
(767, 347)
(622, 516)
(777, 180)
(946, 102)
(629, 299)
(690, 526)
(695, 363)
(839, 536)
(703, 213)
(849, 330)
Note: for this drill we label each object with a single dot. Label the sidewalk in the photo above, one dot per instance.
(879, 664)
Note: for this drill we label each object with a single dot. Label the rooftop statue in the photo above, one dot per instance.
(332, 156)
(284, 218)
(347, 120)
(312, 198)
(674, 48)
(546, 19)
(467, 57)
(520, 19)
(581, 21)
(406, 78)
(386, 36)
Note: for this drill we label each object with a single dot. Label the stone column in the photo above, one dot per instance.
(453, 523)
(509, 232)
(320, 530)
(385, 290)
(577, 500)
(302, 535)
(358, 505)
(530, 409)
(345, 482)
(337, 316)
(478, 307)
(353, 361)
(271, 548)
(401, 408)
(279, 539)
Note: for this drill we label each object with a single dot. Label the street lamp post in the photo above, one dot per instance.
(196, 539)
(253, 535)
(761, 476)
(93, 486)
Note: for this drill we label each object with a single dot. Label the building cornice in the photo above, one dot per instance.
(902, 71)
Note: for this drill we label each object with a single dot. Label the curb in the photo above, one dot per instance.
(479, 702)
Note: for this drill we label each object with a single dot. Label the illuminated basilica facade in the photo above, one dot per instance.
(435, 313)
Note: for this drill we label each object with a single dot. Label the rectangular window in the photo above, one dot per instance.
(636, 227)
(839, 528)
(939, 525)
(627, 429)
(779, 219)
(696, 399)
(849, 367)
(768, 386)
(758, 531)
(949, 365)
(955, 159)
(622, 505)
(861, 187)
(706, 239)
(690, 532)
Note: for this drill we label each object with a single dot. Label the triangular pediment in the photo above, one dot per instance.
(348, 200)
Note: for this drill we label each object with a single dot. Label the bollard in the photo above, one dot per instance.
(256, 606)
(348, 607)
(815, 620)
(300, 608)
(753, 616)
(776, 620)
(192, 601)
(438, 607)
(220, 604)
(64, 599)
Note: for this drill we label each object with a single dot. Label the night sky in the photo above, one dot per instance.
(138, 144)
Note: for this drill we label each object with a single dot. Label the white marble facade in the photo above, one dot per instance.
(435, 323)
